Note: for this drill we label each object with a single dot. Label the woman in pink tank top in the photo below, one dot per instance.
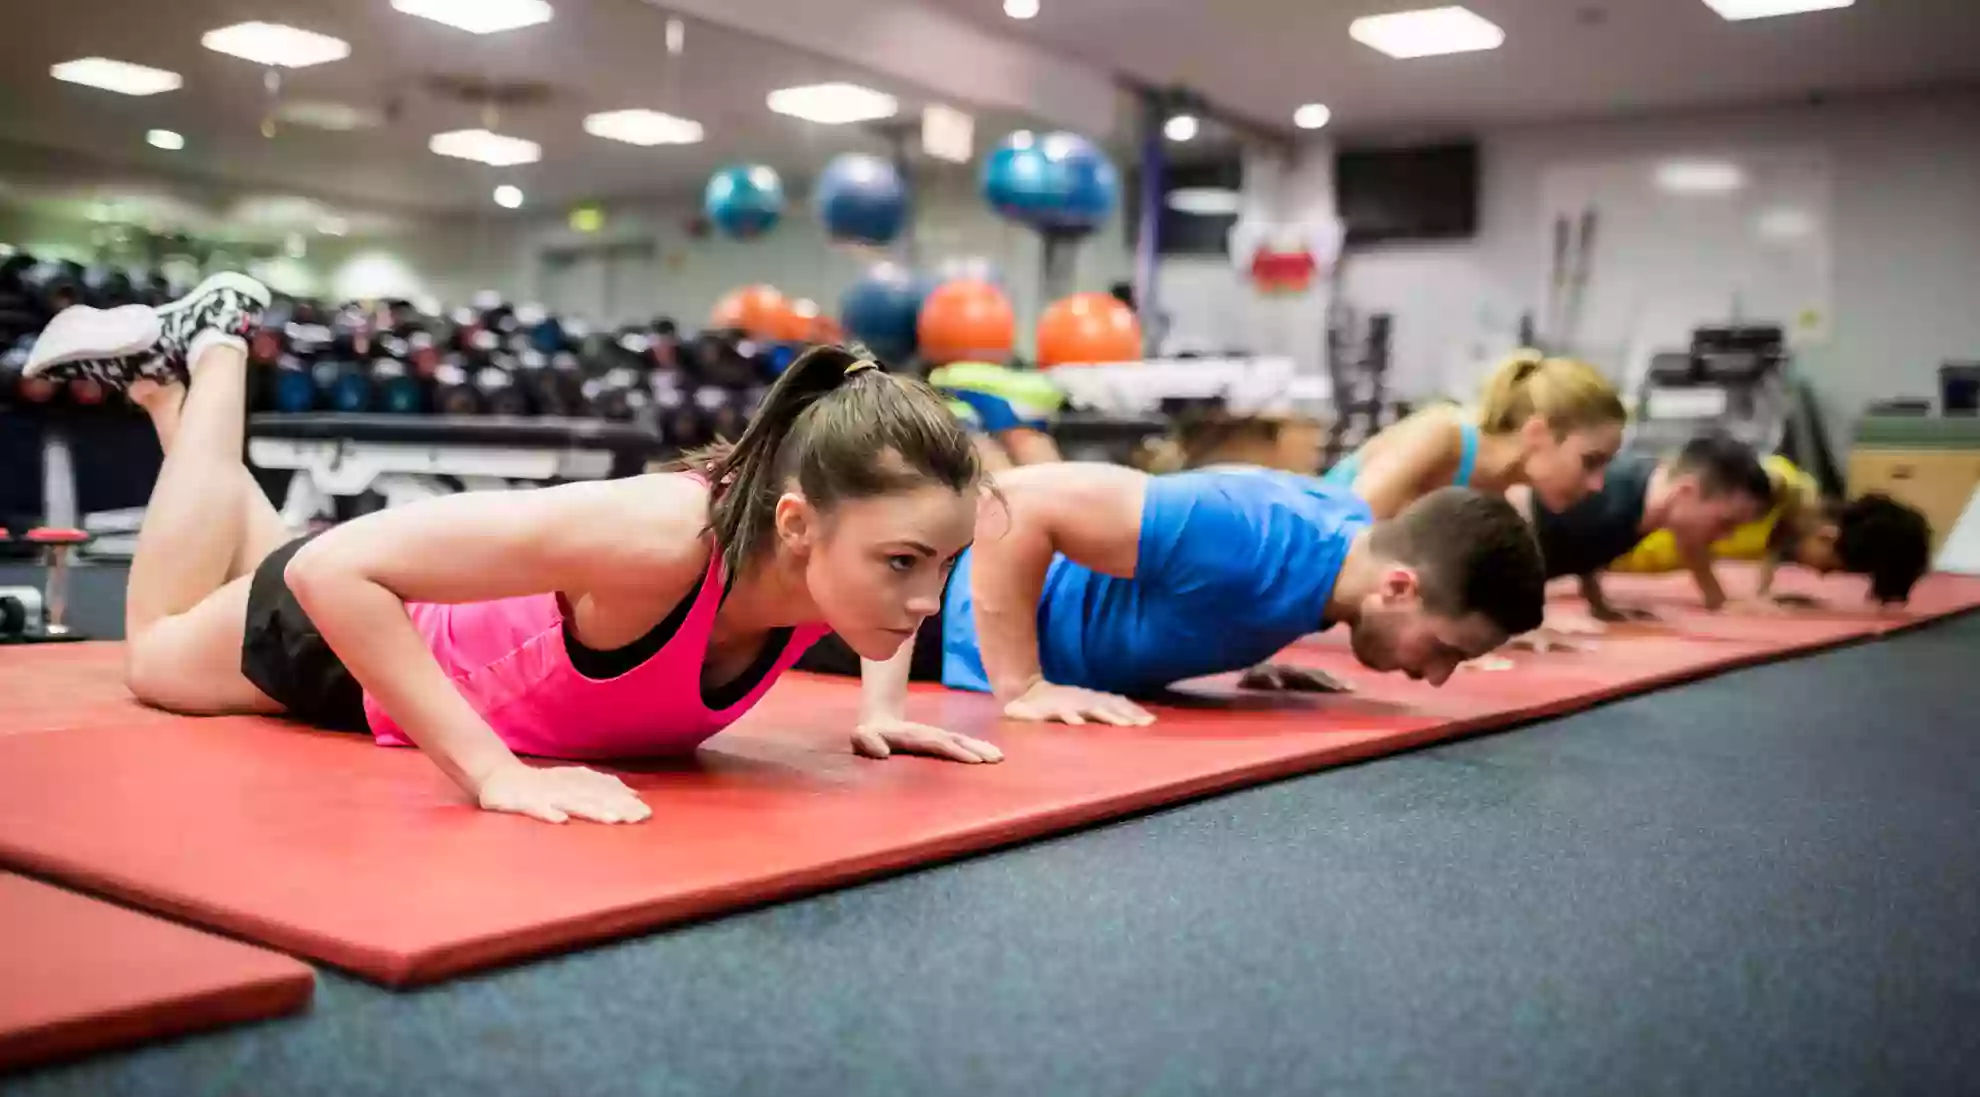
(604, 619)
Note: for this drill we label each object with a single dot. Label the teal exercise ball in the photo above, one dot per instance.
(1054, 182)
(744, 200)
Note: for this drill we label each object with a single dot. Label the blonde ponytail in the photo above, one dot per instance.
(1569, 394)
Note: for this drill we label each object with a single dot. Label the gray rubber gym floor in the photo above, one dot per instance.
(1764, 883)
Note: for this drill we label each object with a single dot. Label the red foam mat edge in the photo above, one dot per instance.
(80, 975)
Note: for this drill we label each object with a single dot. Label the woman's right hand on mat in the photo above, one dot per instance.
(881, 737)
(1045, 701)
(555, 795)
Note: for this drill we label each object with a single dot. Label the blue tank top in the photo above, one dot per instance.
(1233, 565)
(1344, 471)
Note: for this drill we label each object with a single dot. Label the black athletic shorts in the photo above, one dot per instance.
(287, 659)
(830, 655)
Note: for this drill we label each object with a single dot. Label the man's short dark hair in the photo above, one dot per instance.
(1890, 542)
(1725, 465)
(1472, 553)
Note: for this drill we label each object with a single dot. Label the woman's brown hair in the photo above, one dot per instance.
(838, 427)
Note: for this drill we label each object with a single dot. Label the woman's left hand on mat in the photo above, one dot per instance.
(880, 738)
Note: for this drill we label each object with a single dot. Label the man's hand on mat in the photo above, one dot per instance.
(555, 795)
(1548, 638)
(1045, 701)
(1279, 676)
(1570, 624)
(877, 738)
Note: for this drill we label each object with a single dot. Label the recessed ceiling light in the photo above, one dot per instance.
(1021, 9)
(276, 45)
(479, 16)
(165, 139)
(509, 197)
(484, 147)
(1700, 176)
(121, 77)
(1179, 127)
(833, 104)
(1312, 116)
(1427, 33)
(1204, 201)
(643, 127)
(1762, 9)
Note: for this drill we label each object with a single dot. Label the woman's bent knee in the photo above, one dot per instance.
(191, 663)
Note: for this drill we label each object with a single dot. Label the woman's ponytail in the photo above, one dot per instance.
(1567, 393)
(743, 477)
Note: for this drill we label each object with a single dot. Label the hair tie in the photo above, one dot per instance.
(864, 363)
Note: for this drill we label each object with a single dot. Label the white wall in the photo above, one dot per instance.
(1905, 240)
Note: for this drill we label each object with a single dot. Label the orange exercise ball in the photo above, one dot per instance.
(966, 319)
(758, 310)
(799, 322)
(1088, 328)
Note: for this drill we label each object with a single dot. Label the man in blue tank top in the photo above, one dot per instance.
(1091, 584)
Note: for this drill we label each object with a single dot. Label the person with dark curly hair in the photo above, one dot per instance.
(1873, 535)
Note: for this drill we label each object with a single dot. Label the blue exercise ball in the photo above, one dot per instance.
(861, 198)
(1053, 182)
(968, 268)
(882, 308)
(744, 200)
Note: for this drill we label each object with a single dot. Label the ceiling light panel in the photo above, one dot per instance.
(1430, 32)
(483, 147)
(122, 77)
(1766, 9)
(834, 104)
(276, 45)
(643, 127)
(479, 16)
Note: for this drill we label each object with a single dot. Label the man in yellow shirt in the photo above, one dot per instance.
(1874, 535)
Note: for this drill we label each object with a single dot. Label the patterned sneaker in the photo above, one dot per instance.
(131, 343)
(229, 305)
(114, 347)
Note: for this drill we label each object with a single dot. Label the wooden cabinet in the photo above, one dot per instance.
(1938, 482)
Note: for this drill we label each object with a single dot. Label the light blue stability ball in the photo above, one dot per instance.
(744, 200)
(882, 309)
(861, 198)
(1053, 182)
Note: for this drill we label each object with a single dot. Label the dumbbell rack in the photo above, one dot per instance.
(30, 616)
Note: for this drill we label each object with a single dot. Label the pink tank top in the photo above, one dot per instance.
(509, 659)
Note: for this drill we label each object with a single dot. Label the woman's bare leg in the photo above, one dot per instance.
(262, 528)
(184, 620)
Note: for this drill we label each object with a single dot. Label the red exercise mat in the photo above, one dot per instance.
(330, 847)
(78, 974)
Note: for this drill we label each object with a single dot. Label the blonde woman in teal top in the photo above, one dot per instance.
(1550, 423)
